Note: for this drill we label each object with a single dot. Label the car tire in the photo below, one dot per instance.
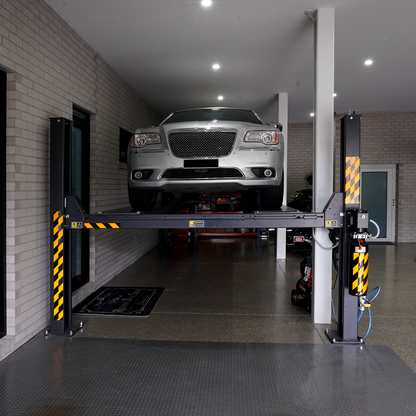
(142, 200)
(271, 198)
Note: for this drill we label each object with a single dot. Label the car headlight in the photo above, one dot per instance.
(140, 140)
(263, 136)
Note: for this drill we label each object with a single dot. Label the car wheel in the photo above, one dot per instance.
(271, 198)
(142, 200)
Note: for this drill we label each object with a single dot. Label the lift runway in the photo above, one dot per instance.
(89, 376)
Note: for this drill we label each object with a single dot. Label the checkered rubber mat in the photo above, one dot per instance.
(85, 376)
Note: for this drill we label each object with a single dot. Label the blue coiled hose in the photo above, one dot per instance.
(368, 299)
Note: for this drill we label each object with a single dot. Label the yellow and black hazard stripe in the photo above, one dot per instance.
(359, 278)
(352, 180)
(101, 225)
(58, 266)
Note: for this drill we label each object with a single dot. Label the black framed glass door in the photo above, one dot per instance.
(80, 186)
(3, 97)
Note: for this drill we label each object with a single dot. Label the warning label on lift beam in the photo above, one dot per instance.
(330, 224)
(196, 224)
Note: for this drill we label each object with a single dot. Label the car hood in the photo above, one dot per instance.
(206, 125)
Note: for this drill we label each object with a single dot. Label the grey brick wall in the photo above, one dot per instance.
(51, 69)
(387, 137)
(299, 157)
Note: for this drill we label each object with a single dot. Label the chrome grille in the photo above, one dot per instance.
(194, 144)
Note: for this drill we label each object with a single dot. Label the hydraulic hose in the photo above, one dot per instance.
(320, 245)
(378, 229)
(367, 301)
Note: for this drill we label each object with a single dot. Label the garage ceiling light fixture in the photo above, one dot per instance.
(220, 97)
(206, 3)
(216, 66)
(368, 62)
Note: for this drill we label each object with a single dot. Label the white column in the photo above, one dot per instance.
(283, 117)
(323, 159)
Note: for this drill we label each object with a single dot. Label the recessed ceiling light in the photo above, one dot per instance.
(312, 114)
(220, 97)
(368, 62)
(216, 66)
(206, 3)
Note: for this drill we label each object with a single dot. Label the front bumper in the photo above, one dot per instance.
(241, 160)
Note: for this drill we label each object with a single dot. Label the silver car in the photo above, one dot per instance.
(213, 149)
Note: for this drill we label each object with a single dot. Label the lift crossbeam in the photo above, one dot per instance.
(76, 218)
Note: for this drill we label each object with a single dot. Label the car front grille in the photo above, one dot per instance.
(209, 173)
(196, 144)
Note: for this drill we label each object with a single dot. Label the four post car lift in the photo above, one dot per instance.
(341, 212)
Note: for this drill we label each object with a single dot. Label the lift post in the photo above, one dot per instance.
(347, 328)
(60, 238)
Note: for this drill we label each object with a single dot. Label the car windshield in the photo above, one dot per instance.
(210, 114)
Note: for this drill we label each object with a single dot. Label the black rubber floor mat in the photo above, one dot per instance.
(132, 301)
(64, 376)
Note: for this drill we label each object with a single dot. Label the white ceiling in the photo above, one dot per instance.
(165, 50)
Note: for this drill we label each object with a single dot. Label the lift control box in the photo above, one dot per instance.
(359, 220)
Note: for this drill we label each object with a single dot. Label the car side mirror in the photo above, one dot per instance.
(276, 126)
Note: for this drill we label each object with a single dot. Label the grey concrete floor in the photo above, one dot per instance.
(235, 291)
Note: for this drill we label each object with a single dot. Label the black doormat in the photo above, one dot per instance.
(132, 301)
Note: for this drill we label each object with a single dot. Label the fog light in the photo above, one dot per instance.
(138, 175)
(267, 173)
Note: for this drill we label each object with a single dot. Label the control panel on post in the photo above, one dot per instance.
(358, 273)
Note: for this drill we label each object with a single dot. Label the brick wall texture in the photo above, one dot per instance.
(51, 68)
(386, 138)
(299, 157)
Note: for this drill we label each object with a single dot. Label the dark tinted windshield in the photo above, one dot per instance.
(208, 114)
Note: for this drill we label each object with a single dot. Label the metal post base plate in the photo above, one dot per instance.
(336, 339)
(70, 332)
